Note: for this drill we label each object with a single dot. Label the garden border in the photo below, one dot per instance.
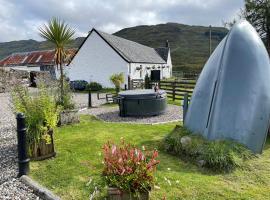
(39, 190)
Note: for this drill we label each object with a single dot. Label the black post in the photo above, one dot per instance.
(23, 159)
(125, 86)
(98, 95)
(185, 106)
(89, 99)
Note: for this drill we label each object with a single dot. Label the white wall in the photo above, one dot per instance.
(96, 61)
(140, 74)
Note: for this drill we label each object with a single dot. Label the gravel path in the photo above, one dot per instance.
(111, 114)
(81, 100)
(10, 186)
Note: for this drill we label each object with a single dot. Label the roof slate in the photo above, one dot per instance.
(133, 51)
(163, 52)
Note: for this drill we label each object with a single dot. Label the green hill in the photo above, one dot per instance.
(189, 44)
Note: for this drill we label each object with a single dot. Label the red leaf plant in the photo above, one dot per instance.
(129, 168)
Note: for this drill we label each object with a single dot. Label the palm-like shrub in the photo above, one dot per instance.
(60, 34)
(117, 80)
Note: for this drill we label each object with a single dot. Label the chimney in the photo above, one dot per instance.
(167, 44)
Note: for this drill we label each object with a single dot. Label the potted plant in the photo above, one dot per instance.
(59, 33)
(68, 114)
(128, 171)
(41, 114)
(117, 80)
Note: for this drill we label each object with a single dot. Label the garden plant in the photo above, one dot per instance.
(117, 80)
(128, 171)
(42, 114)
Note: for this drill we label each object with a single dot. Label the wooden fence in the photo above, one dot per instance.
(177, 89)
(136, 84)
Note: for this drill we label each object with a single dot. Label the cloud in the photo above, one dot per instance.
(20, 19)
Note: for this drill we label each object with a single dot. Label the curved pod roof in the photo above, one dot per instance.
(231, 99)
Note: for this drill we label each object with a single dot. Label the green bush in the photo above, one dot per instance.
(117, 80)
(94, 86)
(66, 100)
(40, 111)
(218, 155)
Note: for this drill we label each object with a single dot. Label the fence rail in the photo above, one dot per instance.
(176, 90)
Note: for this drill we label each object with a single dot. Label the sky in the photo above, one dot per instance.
(20, 19)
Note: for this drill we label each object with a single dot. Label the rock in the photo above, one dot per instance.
(185, 141)
(201, 163)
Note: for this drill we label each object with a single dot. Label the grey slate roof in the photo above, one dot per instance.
(163, 52)
(133, 51)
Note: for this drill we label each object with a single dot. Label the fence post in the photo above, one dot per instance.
(173, 87)
(89, 99)
(129, 83)
(23, 159)
(107, 100)
(98, 95)
(185, 106)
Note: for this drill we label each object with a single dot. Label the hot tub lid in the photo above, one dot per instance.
(138, 94)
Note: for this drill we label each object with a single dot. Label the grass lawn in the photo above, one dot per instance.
(76, 170)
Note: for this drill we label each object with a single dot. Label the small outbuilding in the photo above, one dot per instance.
(102, 55)
(33, 61)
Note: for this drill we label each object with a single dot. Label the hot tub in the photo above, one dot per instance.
(142, 102)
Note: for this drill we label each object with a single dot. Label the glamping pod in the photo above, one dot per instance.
(231, 99)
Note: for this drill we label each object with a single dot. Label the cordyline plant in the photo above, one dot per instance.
(129, 168)
(59, 33)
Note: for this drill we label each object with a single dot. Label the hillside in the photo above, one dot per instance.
(189, 44)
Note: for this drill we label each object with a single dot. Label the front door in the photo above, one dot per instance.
(155, 75)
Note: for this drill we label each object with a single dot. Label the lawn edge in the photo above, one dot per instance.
(39, 190)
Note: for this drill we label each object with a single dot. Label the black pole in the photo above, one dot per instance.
(23, 159)
(89, 99)
(185, 106)
(125, 86)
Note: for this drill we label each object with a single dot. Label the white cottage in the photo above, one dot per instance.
(102, 55)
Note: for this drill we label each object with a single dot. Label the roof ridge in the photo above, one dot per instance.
(113, 39)
(123, 39)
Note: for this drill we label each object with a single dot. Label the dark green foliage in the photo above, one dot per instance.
(216, 155)
(189, 44)
(147, 82)
(257, 12)
(94, 86)
(78, 85)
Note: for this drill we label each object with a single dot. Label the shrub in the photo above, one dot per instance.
(129, 168)
(217, 155)
(40, 111)
(147, 82)
(117, 80)
(79, 85)
(94, 86)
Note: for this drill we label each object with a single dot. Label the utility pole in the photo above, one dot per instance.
(210, 40)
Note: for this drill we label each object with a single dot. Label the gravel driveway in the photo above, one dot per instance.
(111, 114)
(10, 186)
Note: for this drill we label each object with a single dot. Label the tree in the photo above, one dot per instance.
(60, 34)
(117, 80)
(257, 12)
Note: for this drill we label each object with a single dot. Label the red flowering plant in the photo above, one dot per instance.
(129, 168)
